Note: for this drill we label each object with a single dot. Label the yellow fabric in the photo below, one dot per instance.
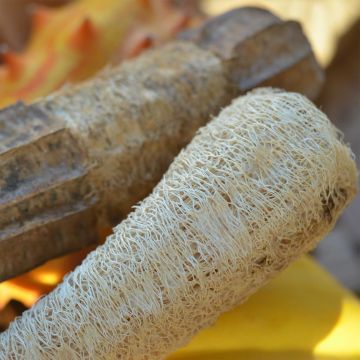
(302, 314)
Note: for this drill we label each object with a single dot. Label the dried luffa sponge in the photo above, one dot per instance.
(257, 187)
(119, 132)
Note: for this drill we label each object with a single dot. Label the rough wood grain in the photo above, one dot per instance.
(80, 159)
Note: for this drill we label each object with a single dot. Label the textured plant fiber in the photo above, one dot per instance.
(257, 187)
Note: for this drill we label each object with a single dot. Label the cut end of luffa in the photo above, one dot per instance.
(256, 188)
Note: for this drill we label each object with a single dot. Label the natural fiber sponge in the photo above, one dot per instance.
(258, 186)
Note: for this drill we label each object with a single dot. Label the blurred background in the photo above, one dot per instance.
(46, 44)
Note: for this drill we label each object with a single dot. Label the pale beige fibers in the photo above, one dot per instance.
(257, 187)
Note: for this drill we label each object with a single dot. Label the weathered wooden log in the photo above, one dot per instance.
(79, 160)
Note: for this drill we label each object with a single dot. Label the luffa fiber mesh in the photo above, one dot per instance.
(257, 187)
